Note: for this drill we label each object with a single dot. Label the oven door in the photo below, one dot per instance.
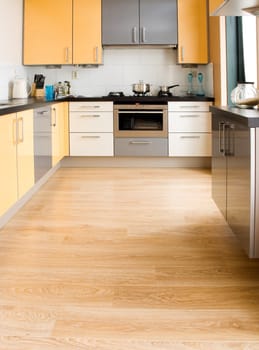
(140, 121)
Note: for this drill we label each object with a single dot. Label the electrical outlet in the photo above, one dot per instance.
(74, 74)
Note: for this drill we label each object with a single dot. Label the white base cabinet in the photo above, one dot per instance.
(91, 129)
(189, 127)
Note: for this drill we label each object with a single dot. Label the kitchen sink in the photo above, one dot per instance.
(8, 105)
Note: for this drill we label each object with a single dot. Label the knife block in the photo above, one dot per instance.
(37, 92)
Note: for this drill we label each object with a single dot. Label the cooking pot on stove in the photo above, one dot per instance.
(165, 89)
(141, 88)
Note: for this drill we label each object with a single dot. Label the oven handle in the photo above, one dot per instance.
(140, 112)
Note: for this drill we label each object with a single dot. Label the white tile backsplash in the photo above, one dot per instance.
(122, 67)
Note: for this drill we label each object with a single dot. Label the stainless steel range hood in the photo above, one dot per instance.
(237, 8)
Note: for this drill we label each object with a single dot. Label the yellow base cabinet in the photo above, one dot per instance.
(47, 37)
(59, 117)
(16, 157)
(192, 32)
(8, 173)
(62, 32)
(25, 151)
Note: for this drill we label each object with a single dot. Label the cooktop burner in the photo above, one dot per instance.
(164, 94)
(116, 93)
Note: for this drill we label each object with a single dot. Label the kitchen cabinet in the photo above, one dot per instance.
(47, 37)
(192, 32)
(189, 127)
(59, 126)
(16, 157)
(25, 151)
(145, 22)
(8, 173)
(87, 43)
(91, 129)
(214, 5)
(42, 141)
(141, 147)
(234, 181)
(62, 32)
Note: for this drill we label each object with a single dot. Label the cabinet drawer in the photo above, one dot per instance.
(189, 122)
(190, 144)
(94, 121)
(189, 106)
(151, 147)
(95, 106)
(91, 144)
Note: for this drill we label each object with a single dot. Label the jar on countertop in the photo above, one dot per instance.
(245, 95)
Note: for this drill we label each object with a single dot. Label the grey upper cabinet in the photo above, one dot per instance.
(139, 22)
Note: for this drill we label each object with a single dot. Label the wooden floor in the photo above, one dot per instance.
(125, 259)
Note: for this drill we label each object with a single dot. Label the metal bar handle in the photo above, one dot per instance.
(222, 137)
(190, 137)
(144, 34)
(90, 116)
(55, 117)
(190, 107)
(189, 116)
(140, 112)
(89, 107)
(42, 112)
(20, 129)
(182, 53)
(134, 35)
(140, 142)
(90, 137)
(67, 54)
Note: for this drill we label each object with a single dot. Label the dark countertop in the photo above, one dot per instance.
(18, 105)
(247, 116)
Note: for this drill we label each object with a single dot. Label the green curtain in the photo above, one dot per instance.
(235, 53)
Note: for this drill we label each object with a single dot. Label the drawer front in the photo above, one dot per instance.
(189, 122)
(141, 147)
(189, 145)
(189, 106)
(91, 121)
(95, 106)
(91, 144)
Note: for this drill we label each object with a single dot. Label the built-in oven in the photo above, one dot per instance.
(141, 130)
(140, 120)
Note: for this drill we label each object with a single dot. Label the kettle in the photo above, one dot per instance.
(20, 88)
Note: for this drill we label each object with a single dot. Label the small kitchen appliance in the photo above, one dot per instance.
(20, 88)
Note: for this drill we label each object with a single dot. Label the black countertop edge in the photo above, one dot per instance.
(247, 116)
(18, 105)
(140, 99)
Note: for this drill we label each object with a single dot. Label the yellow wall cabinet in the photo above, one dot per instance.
(16, 157)
(8, 173)
(62, 32)
(214, 4)
(192, 32)
(87, 41)
(59, 122)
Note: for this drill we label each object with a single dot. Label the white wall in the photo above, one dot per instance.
(11, 43)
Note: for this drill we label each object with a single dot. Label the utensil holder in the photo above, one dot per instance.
(39, 93)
